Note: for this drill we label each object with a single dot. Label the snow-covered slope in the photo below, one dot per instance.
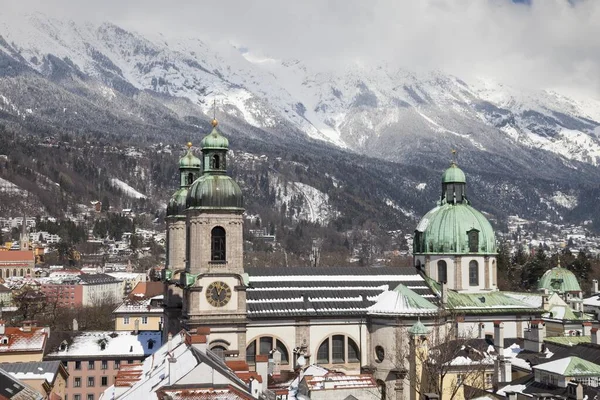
(379, 109)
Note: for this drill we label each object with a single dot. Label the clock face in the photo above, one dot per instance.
(218, 294)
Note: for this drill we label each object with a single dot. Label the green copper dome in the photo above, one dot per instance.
(418, 329)
(177, 203)
(454, 175)
(214, 140)
(454, 229)
(189, 160)
(215, 192)
(559, 280)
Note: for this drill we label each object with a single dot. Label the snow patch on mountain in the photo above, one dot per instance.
(126, 189)
(302, 201)
(564, 200)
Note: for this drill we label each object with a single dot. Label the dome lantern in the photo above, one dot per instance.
(189, 170)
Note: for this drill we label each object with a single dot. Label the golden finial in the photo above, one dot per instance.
(189, 145)
(453, 151)
(214, 122)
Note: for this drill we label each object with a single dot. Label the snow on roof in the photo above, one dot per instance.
(512, 352)
(335, 278)
(570, 366)
(403, 301)
(143, 306)
(511, 388)
(592, 301)
(110, 344)
(21, 340)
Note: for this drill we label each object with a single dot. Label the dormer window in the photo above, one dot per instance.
(63, 345)
(4, 340)
(473, 236)
(102, 346)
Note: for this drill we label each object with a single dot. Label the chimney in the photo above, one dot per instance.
(595, 336)
(502, 370)
(587, 329)
(499, 334)
(2, 327)
(27, 326)
(511, 395)
(444, 293)
(262, 369)
(481, 330)
(75, 325)
(545, 300)
(594, 286)
(534, 336)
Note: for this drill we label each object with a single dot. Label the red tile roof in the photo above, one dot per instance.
(21, 341)
(225, 393)
(16, 255)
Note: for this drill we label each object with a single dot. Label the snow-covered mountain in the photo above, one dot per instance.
(525, 151)
(376, 109)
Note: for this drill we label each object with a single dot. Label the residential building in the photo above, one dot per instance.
(66, 292)
(130, 280)
(144, 314)
(13, 389)
(25, 343)
(6, 298)
(99, 288)
(46, 377)
(16, 263)
(94, 358)
(183, 367)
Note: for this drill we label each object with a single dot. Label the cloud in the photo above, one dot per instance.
(540, 43)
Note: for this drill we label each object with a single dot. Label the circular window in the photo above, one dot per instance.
(379, 353)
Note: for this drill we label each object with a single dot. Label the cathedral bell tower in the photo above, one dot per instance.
(213, 282)
(189, 171)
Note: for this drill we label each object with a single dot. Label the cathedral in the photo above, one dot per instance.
(346, 318)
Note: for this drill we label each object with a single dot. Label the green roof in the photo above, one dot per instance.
(214, 140)
(568, 340)
(495, 302)
(177, 203)
(558, 309)
(444, 230)
(402, 301)
(215, 192)
(189, 160)
(559, 280)
(570, 367)
(454, 175)
(418, 329)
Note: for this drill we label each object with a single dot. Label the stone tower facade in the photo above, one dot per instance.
(214, 287)
(189, 171)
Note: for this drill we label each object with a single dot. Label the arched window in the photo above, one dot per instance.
(151, 344)
(266, 345)
(7, 273)
(21, 272)
(217, 244)
(473, 273)
(418, 265)
(442, 271)
(219, 351)
(473, 236)
(28, 272)
(216, 162)
(190, 178)
(338, 349)
(15, 272)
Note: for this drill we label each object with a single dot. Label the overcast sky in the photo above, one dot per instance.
(542, 43)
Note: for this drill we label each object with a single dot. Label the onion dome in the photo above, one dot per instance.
(559, 280)
(215, 189)
(454, 175)
(418, 329)
(454, 227)
(214, 140)
(177, 203)
(189, 170)
(189, 160)
(215, 192)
